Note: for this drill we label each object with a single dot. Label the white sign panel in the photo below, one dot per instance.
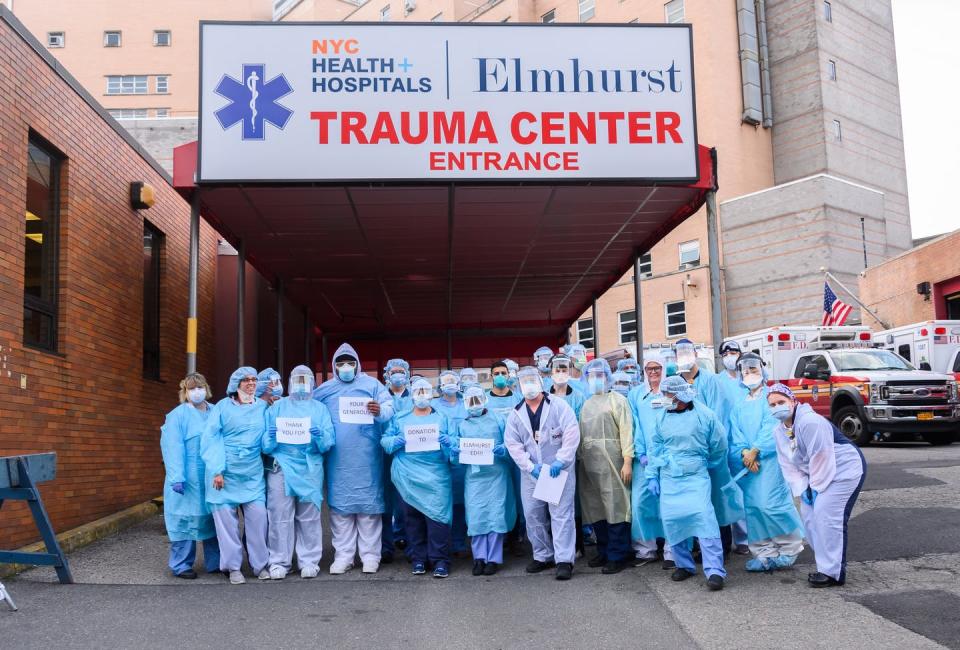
(476, 451)
(353, 410)
(548, 488)
(342, 101)
(293, 431)
(422, 437)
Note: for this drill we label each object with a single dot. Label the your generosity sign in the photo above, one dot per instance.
(305, 102)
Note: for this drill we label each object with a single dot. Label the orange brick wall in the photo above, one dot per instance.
(89, 402)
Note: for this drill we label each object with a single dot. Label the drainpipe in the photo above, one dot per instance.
(761, 10)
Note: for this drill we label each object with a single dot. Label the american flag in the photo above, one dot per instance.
(835, 311)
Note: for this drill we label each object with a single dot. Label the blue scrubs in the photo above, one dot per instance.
(455, 413)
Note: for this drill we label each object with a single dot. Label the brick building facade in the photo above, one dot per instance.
(89, 367)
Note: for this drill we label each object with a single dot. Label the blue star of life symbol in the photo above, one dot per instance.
(253, 101)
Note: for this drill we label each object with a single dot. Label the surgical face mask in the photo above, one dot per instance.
(245, 398)
(671, 404)
(475, 412)
(623, 390)
(530, 389)
(500, 381)
(730, 361)
(421, 401)
(782, 411)
(277, 391)
(449, 389)
(560, 378)
(752, 381)
(346, 371)
(197, 395)
(398, 379)
(672, 369)
(579, 363)
(543, 364)
(596, 385)
(299, 389)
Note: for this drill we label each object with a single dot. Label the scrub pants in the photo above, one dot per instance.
(355, 532)
(826, 524)
(227, 522)
(550, 528)
(613, 540)
(292, 521)
(393, 526)
(428, 540)
(647, 549)
(711, 551)
(183, 554)
(791, 544)
(458, 531)
(488, 547)
(739, 530)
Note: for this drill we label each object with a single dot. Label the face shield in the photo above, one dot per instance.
(530, 382)
(468, 377)
(578, 355)
(301, 383)
(475, 400)
(449, 383)
(686, 356)
(512, 369)
(560, 369)
(751, 370)
(541, 358)
(622, 383)
(421, 393)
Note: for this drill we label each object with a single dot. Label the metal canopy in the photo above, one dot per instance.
(404, 260)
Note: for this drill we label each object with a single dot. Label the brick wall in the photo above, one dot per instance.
(89, 402)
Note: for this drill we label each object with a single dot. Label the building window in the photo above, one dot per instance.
(152, 247)
(55, 39)
(385, 14)
(585, 332)
(646, 265)
(161, 38)
(549, 17)
(837, 131)
(111, 39)
(163, 84)
(627, 324)
(689, 254)
(832, 70)
(587, 9)
(675, 318)
(127, 85)
(128, 113)
(673, 11)
(827, 11)
(42, 247)
(438, 18)
(163, 112)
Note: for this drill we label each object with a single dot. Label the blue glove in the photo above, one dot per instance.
(536, 470)
(272, 431)
(499, 451)
(644, 460)
(809, 496)
(446, 441)
(177, 487)
(653, 486)
(399, 442)
(315, 431)
(555, 468)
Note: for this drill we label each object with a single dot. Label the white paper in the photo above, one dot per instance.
(353, 410)
(549, 489)
(293, 431)
(422, 437)
(476, 451)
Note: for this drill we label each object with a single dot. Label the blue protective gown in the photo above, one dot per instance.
(302, 465)
(645, 524)
(502, 405)
(686, 446)
(580, 384)
(573, 397)
(186, 515)
(732, 392)
(455, 412)
(423, 479)
(230, 445)
(402, 403)
(354, 467)
(489, 497)
(766, 496)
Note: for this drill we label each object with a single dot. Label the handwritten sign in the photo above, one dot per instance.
(353, 410)
(476, 451)
(422, 437)
(293, 431)
(550, 489)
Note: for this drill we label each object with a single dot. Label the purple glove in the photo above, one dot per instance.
(177, 487)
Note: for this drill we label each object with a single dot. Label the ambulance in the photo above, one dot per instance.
(657, 351)
(930, 345)
(867, 391)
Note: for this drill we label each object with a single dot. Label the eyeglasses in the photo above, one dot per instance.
(653, 371)
(247, 380)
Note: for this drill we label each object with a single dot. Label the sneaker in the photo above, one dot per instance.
(277, 573)
(263, 575)
(236, 578)
(308, 572)
(440, 572)
(742, 549)
(613, 566)
(189, 574)
(644, 561)
(339, 568)
(597, 561)
(680, 575)
(714, 583)
(371, 566)
(478, 567)
(785, 561)
(536, 566)
(400, 544)
(419, 568)
(386, 557)
(668, 564)
(760, 564)
(819, 580)
(564, 571)
(490, 568)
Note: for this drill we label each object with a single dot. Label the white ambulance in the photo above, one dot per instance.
(929, 345)
(868, 392)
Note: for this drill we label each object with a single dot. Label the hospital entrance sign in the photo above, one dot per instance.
(302, 102)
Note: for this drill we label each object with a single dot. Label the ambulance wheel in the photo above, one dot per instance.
(851, 425)
(938, 439)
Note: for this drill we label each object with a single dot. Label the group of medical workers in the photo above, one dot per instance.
(668, 454)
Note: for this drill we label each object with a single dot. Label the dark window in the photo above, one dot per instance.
(585, 333)
(42, 247)
(152, 247)
(819, 360)
(904, 351)
(675, 317)
(628, 326)
(956, 364)
(646, 265)
(953, 306)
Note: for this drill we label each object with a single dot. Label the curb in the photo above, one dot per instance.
(86, 534)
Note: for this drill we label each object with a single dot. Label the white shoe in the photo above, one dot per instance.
(371, 567)
(236, 578)
(277, 573)
(308, 572)
(264, 575)
(338, 568)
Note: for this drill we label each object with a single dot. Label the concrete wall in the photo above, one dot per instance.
(160, 136)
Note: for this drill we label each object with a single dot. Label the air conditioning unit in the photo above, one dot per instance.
(409, 5)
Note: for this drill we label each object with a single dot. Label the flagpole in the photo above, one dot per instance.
(828, 274)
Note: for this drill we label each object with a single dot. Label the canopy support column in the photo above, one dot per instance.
(638, 308)
(324, 358)
(241, 301)
(596, 329)
(193, 272)
(307, 339)
(280, 326)
(713, 246)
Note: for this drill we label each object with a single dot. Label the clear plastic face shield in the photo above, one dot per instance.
(530, 383)
(512, 369)
(449, 383)
(560, 370)
(301, 383)
(541, 359)
(686, 356)
(596, 380)
(621, 383)
(578, 355)
(468, 377)
(751, 372)
(475, 400)
(421, 393)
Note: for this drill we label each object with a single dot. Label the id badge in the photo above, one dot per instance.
(536, 436)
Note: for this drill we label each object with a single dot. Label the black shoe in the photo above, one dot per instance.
(490, 568)
(668, 564)
(614, 566)
(517, 548)
(564, 571)
(680, 575)
(742, 549)
(478, 567)
(822, 580)
(189, 574)
(400, 544)
(386, 558)
(643, 561)
(597, 561)
(536, 566)
(714, 583)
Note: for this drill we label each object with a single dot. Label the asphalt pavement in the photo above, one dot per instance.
(902, 592)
